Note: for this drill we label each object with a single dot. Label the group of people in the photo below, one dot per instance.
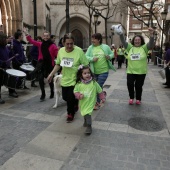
(84, 74)
(120, 55)
(12, 55)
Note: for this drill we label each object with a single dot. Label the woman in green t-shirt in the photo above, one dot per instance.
(137, 63)
(69, 57)
(99, 55)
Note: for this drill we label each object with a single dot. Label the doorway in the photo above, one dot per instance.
(78, 38)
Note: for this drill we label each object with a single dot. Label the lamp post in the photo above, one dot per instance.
(96, 16)
(163, 16)
(35, 17)
(67, 17)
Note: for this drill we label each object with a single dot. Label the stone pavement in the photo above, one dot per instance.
(34, 136)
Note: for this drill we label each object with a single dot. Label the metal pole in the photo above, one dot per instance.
(95, 27)
(162, 39)
(67, 17)
(35, 18)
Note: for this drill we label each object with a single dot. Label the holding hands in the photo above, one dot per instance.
(81, 96)
(95, 59)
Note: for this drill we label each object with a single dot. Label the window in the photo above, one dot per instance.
(139, 8)
(136, 25)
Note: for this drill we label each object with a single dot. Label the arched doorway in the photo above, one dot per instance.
(78, 38)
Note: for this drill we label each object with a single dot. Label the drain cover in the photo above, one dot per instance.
(145, 124)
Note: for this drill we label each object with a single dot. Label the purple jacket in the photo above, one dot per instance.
(18, 49)
(4, 56)
(167, 55)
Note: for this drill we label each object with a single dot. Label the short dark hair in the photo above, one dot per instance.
(17, 34)
(167, 45)
(98, 36)
(52, 36)
(39, 38)
(141, 37)
(3, 39)
(68, 36)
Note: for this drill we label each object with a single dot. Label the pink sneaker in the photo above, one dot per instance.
(131, 101)
(138, 102)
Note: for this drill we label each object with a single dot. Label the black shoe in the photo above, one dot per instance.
(2, 101)
(69, 118)
(25, 87)
(52, 95)
(42, 98)
(34, 85)
(167, 87)
(88, 130)
(164, 84)
(14, 94)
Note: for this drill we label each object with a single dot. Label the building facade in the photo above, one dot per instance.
(16, 14)
(144, 14)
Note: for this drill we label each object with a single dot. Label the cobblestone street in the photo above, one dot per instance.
(34, 136)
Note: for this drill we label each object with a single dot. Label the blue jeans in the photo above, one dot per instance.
(101, 78)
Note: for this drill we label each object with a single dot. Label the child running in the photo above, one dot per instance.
(86, 90)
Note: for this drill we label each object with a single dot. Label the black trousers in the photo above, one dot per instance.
(120, 59)
(41, 77)
(167, 74)
(135, 83)
(2, 72)
(17, 67)
(68, 96)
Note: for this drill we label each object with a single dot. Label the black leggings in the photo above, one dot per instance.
(68, 96)
(135, 81)
(41, 83)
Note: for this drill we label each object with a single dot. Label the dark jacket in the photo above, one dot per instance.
(167, 55)
(18, 49)
(34, 52)
(4, 56)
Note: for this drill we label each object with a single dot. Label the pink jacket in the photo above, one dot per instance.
(53, 49)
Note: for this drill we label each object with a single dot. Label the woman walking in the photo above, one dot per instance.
(137, 64)
(69, 57)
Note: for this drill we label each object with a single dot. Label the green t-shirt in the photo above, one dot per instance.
(70, 63)
(137, 59)
(101, 65)
(120, 51)
(90, 92)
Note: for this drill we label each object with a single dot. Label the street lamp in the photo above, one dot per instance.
(163, 16)
(96, 16)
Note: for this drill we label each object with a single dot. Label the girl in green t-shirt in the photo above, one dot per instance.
(86, 90)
